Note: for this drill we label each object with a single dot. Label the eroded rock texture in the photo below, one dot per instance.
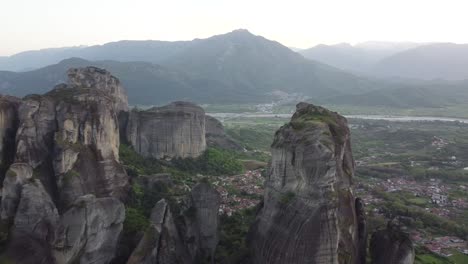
(174, 130)
(64, 186)
(308, 214)
(191, 237)
(89, 231)
(93, 78)
(8, 126)
(161, 243)
(216, 136)
(202, 222)
(391, 246)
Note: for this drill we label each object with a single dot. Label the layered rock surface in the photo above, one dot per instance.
(161, 243)
(190, 237)
(216, 136)
(202, 221)
(63, 189)
(391, 246)
(89, 231)
(8, 126)
(174, 130)
(308, 213)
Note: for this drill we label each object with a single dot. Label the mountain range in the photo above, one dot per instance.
(426, 61)
(237, 67)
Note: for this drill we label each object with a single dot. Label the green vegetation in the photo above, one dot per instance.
(232, 246)
(287, 197)
(11, 173)
(135, 164)
(212, 162)
(135, 221)
(255, 137)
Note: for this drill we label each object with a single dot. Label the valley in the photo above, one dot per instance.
(411, 169)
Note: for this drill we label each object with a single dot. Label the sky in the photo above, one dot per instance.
(38, 24)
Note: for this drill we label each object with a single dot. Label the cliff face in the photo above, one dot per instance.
(391, 246)
(174, 130)
(190, 237)
(8, 126)
(216, 136)
(94, 77)
(161, 243)
(309, 213)
(61, 194)
(202, 221)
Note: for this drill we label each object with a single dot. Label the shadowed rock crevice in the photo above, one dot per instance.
(391, 246)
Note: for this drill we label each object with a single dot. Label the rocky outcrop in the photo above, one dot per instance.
(362, 231)
(216, 136)
(8, 125)
(61, 195)
(174, 130)
(202, 222)
(96, 78)
(308, 213)
(161, 243)
(89, 231)
(391, 246)
(85, 156)
(191, 237)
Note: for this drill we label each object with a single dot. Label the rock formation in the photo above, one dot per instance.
(308, 213)
(89, 231)
(174, 130)
(61, 194)
(94, 77)
(8, 126)
(391, 246)
(202, 221)
(191, 237)
(216, 136)
(161, 243)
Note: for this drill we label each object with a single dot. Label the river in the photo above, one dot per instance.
(372, 117)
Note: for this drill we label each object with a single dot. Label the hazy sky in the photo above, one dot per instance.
(36, 24)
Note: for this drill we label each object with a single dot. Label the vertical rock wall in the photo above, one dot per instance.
(308, 214)
(174, 130)
(61, 195)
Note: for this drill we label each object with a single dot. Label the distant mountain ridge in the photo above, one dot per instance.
(425, 61)
(447, 61)
(237, 67)
(233, 67)
(355, 58)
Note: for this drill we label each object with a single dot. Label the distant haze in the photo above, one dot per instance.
(29, 24)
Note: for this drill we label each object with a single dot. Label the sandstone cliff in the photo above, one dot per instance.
(8, 126)
(190, 237)
(216, 136)
(61, 194)
(174, 130)
(161, 242)
(391, 246)
(308, 213)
